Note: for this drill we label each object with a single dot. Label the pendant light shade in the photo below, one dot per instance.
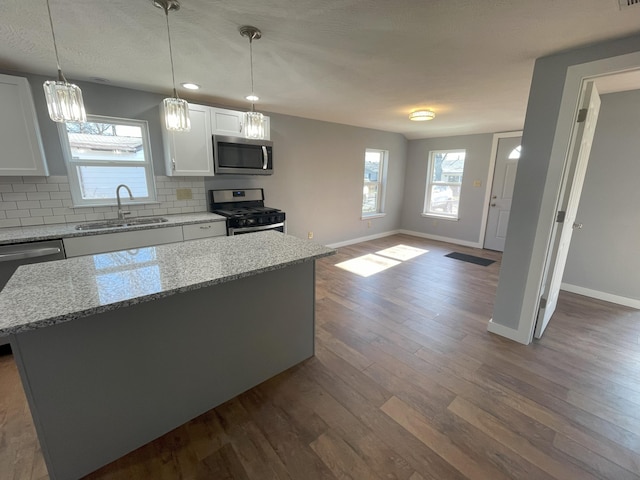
(176, 110)
(253, 121)
(64, 99)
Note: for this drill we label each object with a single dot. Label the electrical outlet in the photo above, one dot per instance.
(184, 194)
(310, 235)
(477, 183)
(369, 224)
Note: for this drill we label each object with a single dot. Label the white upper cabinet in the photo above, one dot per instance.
(227, 122)
(190, 153)
(22, 152)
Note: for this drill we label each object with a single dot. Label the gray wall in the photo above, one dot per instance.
(319, 166)
(318, 179)
(477, 159)
(605, 255)
(530, 224)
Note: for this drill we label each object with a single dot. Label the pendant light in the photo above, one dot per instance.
(64, 99)
(176, 110)
(253, 121)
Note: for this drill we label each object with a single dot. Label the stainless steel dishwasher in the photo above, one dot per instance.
(12, 256)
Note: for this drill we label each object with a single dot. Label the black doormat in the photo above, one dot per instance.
(470, 258)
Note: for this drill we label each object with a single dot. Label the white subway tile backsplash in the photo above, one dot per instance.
(39, 195)
(8, 206)
(27, 222)
(14, 197)
(10, 222)
(47, 200)
(24, 187)
(48, 187)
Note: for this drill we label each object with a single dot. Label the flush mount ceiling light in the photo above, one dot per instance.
(190, 86)
(422, 115)
(254, 121)
(176, 110)
(64, 99)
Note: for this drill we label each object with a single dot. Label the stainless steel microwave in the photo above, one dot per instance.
(242, 156)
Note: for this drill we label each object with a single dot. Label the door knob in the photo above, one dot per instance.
(577, 226)
(494, 196)
(493, 204)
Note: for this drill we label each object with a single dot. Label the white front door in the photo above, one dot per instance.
(504, 177)
(568, 205)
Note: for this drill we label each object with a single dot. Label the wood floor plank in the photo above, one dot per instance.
(406, 384)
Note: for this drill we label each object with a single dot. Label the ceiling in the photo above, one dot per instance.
(358, 62)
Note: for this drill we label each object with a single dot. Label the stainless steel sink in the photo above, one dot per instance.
(120, 223)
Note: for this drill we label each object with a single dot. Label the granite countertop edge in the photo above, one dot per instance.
(157, 295)
(13, 235)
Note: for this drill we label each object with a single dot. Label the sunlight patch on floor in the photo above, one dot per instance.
(370, 264)
(367, 265)
(402, 252)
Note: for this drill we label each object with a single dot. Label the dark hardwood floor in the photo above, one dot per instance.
(406, 384)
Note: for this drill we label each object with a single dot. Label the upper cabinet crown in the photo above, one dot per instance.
(190, 153)
(22, 151)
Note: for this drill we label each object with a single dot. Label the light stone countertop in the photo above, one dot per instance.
(65, 230)
(44, 294)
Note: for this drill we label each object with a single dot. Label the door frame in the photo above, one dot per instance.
(574, 78)
(489, 182)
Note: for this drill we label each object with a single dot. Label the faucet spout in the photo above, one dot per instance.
(122, 213)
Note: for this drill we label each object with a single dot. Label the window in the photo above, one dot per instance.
(103, 153)
(374, 182)
(444, 181)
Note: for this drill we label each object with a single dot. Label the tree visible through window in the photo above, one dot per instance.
(444, 181)
(103, 153)
(374, 181)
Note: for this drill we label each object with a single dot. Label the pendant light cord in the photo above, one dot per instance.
(55, 46)
(253, 107)
(173, 76)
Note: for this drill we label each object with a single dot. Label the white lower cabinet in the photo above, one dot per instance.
(204, 230)
(112, 242)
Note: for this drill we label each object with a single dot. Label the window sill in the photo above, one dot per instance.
(373, 215)
(440, 217)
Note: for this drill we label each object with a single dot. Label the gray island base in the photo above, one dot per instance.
(102, 384)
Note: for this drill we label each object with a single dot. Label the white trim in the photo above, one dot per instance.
(489, 182)
(438, 238)
(574, 78)
(508, 332)
(373, 215)
(440, 217)
(607, 297)
(363, 239)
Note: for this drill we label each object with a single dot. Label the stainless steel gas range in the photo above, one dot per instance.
(245, 211)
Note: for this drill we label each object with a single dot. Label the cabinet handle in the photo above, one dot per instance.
(241, 125)
(205, 228)
(173, 164)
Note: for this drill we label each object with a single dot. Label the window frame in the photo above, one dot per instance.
(430, 183)
(381, 184)
(72, 164)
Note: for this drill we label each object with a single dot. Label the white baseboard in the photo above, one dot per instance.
(362, 239)
(438, 238)
(508, 332)
(607, 297)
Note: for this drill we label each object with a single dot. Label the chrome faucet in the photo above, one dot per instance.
(122, 213)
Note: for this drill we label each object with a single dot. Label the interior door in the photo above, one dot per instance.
(504, 177)
(569, 199)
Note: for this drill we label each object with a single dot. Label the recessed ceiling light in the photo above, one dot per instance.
(422, 115)
(252, 98)
(191, 86)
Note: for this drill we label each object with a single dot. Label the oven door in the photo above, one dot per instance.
(279, 227)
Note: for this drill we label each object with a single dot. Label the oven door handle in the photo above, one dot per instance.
(265, 157)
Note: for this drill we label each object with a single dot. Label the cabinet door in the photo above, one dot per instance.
(22, 152)
(113, 242)
(227, 122)
(190, 153)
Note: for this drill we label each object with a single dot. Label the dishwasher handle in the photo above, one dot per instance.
(31, 253)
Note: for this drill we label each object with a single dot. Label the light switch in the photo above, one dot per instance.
(477, 183)
(184, 194)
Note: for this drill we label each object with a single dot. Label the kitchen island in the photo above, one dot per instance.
(117, 349)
